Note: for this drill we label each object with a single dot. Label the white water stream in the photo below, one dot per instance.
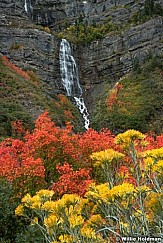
(70, 79)
(25, 6)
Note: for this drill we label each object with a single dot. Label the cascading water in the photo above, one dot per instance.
(28, 8)
(69, 72)
(70, 79)
(25, 6)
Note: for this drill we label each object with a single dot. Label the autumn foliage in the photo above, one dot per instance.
(71, 181)
(128, 202)
(113, 96)
(60, 159)
(18, 70)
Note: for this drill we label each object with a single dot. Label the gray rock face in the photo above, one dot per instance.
(115, 54)
(30, 47)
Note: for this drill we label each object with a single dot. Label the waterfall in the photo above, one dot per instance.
(25, 6)
(69, 71)
(83, 110)
(70, 79)
(28, 9)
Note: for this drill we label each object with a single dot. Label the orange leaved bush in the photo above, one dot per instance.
(112, 99)
(50, 153)
(70, 181)
(19, 71)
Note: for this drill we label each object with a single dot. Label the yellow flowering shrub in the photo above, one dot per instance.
(66, 238)
(148, 163)
(60, 219)
(19, 210)
(49, 206)
(158, 167)
(122, 191)
(153, 202)
(128, 202)
(152, 167)
(95, 220)
(108, 156)
(51, 221)
(88, 233)
(129, 137)
(75, 220)
(45, 194)
(154, 153)
(26, 200)
(106, 161)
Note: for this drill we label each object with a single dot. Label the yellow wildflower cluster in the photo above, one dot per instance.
(153, 205)
(19, 210)
(49, 206)
(75, 220)
(122, 191)
(45, 194)
(37, 200)
(108, 155)
(66, 238)
(26, 200)
(64, 214)
(158, 167)
(154, 153)
(69, 202)
(103, 194)
(88, 232)
(51, 223)
(69, 199)
(127, 138)
(148, 163)
(99, 192)
(153, 160)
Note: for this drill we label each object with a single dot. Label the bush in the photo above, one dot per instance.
(83, 33)
(8, 221)
(149, 10)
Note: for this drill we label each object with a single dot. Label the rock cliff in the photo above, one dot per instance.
(31, 47)
(29, 38)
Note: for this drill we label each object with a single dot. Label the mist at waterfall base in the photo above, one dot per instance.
(70, 79)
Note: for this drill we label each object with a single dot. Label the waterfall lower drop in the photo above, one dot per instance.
(25, 6)
(70, 79)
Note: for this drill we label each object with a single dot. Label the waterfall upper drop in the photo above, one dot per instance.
(70, 79)
(25, 6)
(69, 71)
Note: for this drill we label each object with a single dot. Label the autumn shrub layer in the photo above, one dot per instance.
(84, 187)
(127, 203)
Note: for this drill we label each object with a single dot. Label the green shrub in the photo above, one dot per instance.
(8, 221)
(149, 10)
(83, 33)
(14, 229)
